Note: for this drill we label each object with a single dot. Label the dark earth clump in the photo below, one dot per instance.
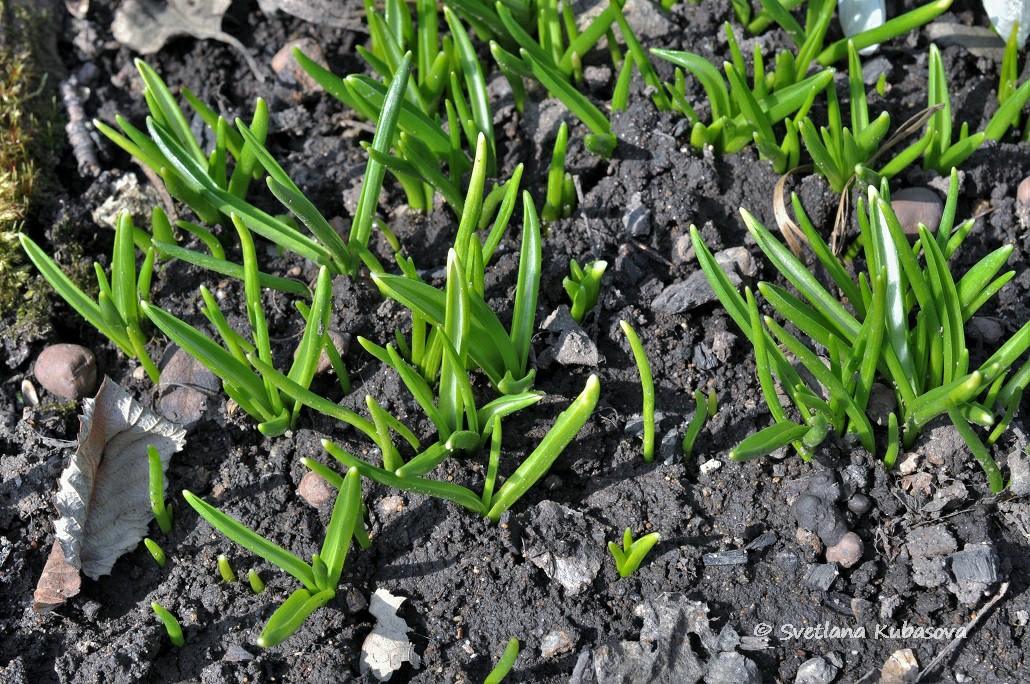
(743, 545)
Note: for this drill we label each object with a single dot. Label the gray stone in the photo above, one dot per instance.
(127, 195)
(237, 654)
(541, 119)
(980, 41)
(816, 671)
(732, 668)
(732, 557)
(929, 572)
(976, 570)
(882, 402)
(931, 541)
(637, 217)
(185, 388)
(558, 541)
(559, 321)
(985, 329)
(597, 78)
(873, 68)
(1019, 469)
(575, 348)
(648, 22)
(695, 291)
(556, 643)
(821, 576)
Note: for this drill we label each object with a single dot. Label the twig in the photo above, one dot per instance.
(954, 644)
(78, 135)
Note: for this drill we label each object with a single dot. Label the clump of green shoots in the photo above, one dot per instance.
(117, 311)
(906, 326)
(943, 151)
(231, 360)
(162, 513)
(504, 664)
(561, 191)
(171, 624)
(743, 113)
(320, 578)
(632, 553)
(646, 386)
(583, 286)
(703, 410)
(156, 551)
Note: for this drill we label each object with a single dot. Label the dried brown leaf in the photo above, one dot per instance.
(104, 499)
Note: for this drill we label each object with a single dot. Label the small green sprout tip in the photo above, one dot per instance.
(162, 513)
(702, 411)
(171, 624)
(647, 387)
(155, 551)
(225, 570)
(631, 555)
(504, 665)
(256, 583)
(584, 286)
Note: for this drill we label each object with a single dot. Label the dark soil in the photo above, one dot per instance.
(469, 585)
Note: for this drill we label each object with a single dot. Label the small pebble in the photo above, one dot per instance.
(389, 505)
(556, 643)
(67, 370)
(917, 205)
(816, 671)
(1023, 191)
(289, 70)
(847, 551)
(315, 490)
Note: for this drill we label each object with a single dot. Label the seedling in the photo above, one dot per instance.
(631, 555)
(162, 513)
(156, 551)
(646, 386)
(907, 328)
(257, 585)
(702, 411)
(943, 153)
(116, 313)
(504, 665)
(561, 191)
(171, 624)
(584, 286)
(320, 578)
(225, 570)
(257, 394)
(489, 504)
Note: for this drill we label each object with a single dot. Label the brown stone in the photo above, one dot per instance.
(917, 205)
(67, 370)
(315, 490)
(847, 551)
(1023, 191)
(289, 70)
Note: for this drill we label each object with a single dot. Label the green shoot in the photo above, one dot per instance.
(162, 513)
(320, 578)
(701, 413)
(257, 585)
(632, 553)
(117, 311)
(584, 286)
(171, 624)
(156, 551)
(225, 570)
(561, 193)
(504, 665)
(647, 387)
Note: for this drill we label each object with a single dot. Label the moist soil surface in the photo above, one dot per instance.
(729, 541)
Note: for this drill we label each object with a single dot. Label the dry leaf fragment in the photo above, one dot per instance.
(387, 648)
(104, 499)
(146, 25)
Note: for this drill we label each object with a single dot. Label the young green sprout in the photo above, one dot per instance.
(162, 513)
(156, 551)
(257, 585)
(116, 313)
(504, 664)
(584, 286)
(561, 191)
(905, 325)
(631, 555)
(225, 570)
(647, 388)
(171, 624)
(702, 411)
(320, 578)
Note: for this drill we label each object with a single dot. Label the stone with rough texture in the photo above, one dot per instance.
(695, 291)
(816, 671)
(314, 489)
(976, 570)
(185, 388)
(847, 551)
(732, 668)
(289, 70)
(67, 370)
(558, 541)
